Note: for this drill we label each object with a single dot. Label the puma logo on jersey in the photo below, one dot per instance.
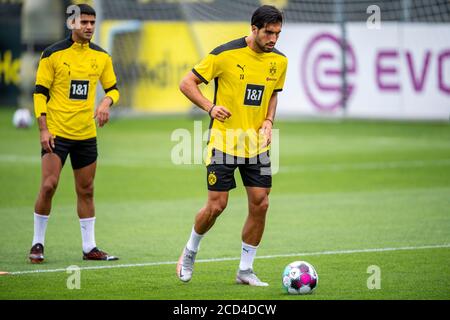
(240, 67)
(68, 66)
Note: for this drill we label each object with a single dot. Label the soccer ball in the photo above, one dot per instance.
(300, 277)
(22, 118)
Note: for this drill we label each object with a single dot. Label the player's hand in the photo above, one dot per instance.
(266, 131)
(47, 141)
(220, 113)
(102, 112)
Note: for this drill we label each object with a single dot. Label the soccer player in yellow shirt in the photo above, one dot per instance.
(248, 74)
(64, 101)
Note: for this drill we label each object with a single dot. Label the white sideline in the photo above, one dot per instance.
(149, 264)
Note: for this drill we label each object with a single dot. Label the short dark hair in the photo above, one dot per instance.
(266, 14)
(86, 9)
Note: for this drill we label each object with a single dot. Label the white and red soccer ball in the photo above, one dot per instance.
(300, 277)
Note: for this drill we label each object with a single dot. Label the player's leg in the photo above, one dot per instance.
(220, 179)
(84, 186)
(258, 203)
(206, 217)
(51, 169)
(51, 166)
(257, 179)
(83, 157)
(252, 232)
(204, 220)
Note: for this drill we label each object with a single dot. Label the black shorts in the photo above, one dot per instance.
(255, 172)
(82, 152)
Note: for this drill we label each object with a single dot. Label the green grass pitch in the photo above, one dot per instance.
(343, 187)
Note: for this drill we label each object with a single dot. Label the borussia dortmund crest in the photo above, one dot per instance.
(273, 68)
(212, 178)
(94, 64)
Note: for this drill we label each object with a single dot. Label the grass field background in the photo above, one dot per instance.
(342, 185)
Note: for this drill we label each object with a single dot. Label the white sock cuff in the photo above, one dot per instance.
(40, 216)
(193, 243)
(87, 219)
(249, 245)
(195, 233)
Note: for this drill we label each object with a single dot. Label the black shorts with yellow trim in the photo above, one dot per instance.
(82, 152)
(255, 172)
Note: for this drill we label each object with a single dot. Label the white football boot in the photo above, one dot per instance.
(185, 265)
(250, 278)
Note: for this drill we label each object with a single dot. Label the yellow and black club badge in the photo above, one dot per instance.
(212, 178)
(94, 64)
(273, 68)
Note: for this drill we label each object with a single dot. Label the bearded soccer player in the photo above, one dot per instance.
(248, 74)
(64, 97)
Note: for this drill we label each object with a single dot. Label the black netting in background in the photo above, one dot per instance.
(295, 11)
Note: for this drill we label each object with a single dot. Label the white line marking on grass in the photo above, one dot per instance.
(320, 253)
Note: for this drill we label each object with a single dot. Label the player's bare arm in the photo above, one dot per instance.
(189, 87)
(267, 124)
(47, 140)
(102, 111)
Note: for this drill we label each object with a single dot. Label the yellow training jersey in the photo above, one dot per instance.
(244, 83)
(66, 84)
